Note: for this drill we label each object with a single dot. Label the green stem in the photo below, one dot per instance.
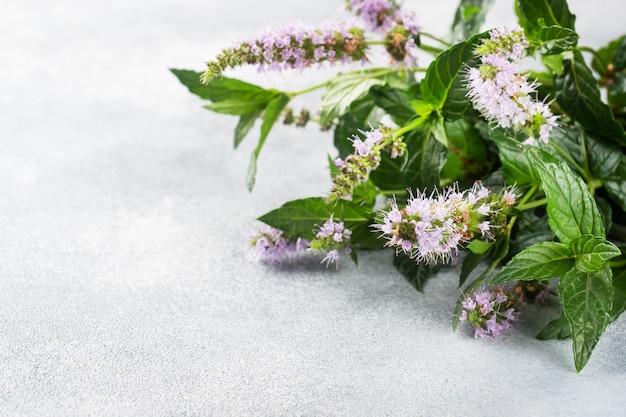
(592, 52)
(433, 37)
(617, 264)
(572, 162)
(525, 205)
(379, 73)
(433, 50)
(532, 204)
(293, 94)
(391, 192)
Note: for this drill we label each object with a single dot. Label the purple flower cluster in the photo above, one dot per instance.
(431, 229)
(295, 46)
(501, 94)
(272, 245)
(490, 311)
(356, 167)
(330, 238)
(398, 24)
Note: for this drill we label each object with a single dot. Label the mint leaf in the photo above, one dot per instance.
(246, 123)
(442, 85)
(516, 166)
(427, 155)
(342, 90)
(619, 294)
(591, 252)
(557, 329)
(388, 175)
(241, 106)
(394, 101)
(222, 88)
(416, 274)
(535, 14)
(272, 113)
(469, 17)
(572, 211)
(300, 217)
(556, 39)
(587, 300)
(467, 153)
(601, 158)
(578, 94)
(349, 123)
(539, 262)
(608, 54)
(479, 247)
(615, 184)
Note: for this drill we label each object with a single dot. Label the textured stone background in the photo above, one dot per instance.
(125, 285)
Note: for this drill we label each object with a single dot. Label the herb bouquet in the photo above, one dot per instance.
(470, 160)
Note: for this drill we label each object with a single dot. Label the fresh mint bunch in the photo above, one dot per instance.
(502, 147)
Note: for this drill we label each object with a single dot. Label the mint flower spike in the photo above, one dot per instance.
(383, 15)
(394, 21)
(501, 94)
(272, 245)
(491, 312)
(292, 47)
(432, 229)
(356, 167)
(331, 237)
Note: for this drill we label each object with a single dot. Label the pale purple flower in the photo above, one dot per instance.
(329, 238)
(356, 167)
(382, 15)
(433, 228)
(292, 47)
(272, 245)
(491, 312)
(501, 94)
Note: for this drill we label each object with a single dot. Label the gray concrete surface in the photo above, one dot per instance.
(126, 287)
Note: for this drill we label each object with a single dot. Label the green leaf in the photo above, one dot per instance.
(591, 252)
(619, 56)
(470, 263)
(344, 89)
(536, 14)
(615, 184)
(300, 217)
(442, 85)
(394, 101)
(607, 55)
(222, 88)
(556, 39)
(578, 94)
(416, 274)
(587, 300)
(479, 247)
(350, 123)
(427, 155)
(557, 329)
(539, 262)
(516, 166)
(531, 229)
(240, 107)
(388, 175)
(246, 123)
(467, 154)
(572, 211)
(619, 294)
(598, 158)
(469, 17)
(272, 113)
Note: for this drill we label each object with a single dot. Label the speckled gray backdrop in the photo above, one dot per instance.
(125, 285)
